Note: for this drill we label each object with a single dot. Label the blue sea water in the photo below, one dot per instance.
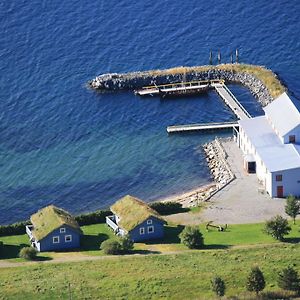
(64, 144)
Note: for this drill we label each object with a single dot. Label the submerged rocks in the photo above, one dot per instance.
(216, 159)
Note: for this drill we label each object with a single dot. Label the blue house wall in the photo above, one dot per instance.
(46, 244)
(158, 233)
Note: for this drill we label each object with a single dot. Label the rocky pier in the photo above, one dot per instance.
(136, 80)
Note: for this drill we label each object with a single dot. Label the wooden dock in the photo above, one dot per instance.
(236, 107)
(196, 86)
(202, 126)
(177, 88)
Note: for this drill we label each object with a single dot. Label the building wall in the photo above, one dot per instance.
(158, 232)
(296, 132)
(46, 244)
(262, 173)
(290, 182)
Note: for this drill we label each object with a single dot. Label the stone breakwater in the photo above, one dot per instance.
(216, 159)
(136, 80)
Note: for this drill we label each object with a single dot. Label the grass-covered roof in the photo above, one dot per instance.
(132, 212)
(50, 218)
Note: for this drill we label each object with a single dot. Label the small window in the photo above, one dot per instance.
(150, 229)
(278, 177)
(68, 238)
(149, 222)
(55, 239)
(62, 230)
(142, 230)
(292, 139)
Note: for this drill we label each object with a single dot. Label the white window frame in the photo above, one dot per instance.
(149, 222)
(148, 229)
(142, 230)
(55, 240)
(62, 230)
(68, 236)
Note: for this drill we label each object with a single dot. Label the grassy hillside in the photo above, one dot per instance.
(174, 276)
(94, 235)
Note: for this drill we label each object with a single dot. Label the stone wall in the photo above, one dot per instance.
(216, 159)
(136, 80)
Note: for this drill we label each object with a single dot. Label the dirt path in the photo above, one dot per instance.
(84, 258)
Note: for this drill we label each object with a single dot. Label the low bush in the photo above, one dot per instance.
(191, 237)
(218, 286)
(166, 208)
(95, 217)
(28, 253)
(277, 227)
(288, 279)
(111, 247)
(126, 244)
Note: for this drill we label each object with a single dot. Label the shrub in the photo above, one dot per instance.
(28, 253)
(95, 217)
(13, 229)
(1, 248)
(166, 208)
(218, 286)
(256, 281)
(126, 244)
(191, 237)
(277, 227)
(111, 247)
(292, 207)
(288, 279)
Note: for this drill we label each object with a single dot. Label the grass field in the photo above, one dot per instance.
(177, 276)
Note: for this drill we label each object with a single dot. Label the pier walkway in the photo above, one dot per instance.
(236, 107)
(202, 126)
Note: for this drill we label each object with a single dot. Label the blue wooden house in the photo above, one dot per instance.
(53, 228)
(137, 219)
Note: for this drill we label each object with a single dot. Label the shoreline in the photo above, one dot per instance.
(192, 197)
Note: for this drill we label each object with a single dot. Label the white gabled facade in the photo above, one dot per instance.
(272, 143)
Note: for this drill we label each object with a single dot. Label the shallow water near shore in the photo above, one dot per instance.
(64, 144)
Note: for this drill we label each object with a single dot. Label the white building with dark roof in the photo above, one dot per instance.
(271, 147)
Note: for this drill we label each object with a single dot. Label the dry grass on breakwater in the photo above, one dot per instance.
(266, 76)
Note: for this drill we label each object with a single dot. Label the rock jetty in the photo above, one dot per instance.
(216, 159)
(229, 73)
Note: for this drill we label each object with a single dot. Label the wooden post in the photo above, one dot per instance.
(231, 58)
(210, 58)
(219, 57)
(237, 55)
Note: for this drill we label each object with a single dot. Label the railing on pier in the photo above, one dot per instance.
(231, 101)
(188, 83)
(236, 101)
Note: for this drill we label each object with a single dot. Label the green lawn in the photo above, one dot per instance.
(175, 276)
(94, 235)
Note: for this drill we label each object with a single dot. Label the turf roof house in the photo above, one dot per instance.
(135, 218)
(53, 229)
(271, 146)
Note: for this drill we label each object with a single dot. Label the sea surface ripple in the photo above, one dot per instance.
(64, 144)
